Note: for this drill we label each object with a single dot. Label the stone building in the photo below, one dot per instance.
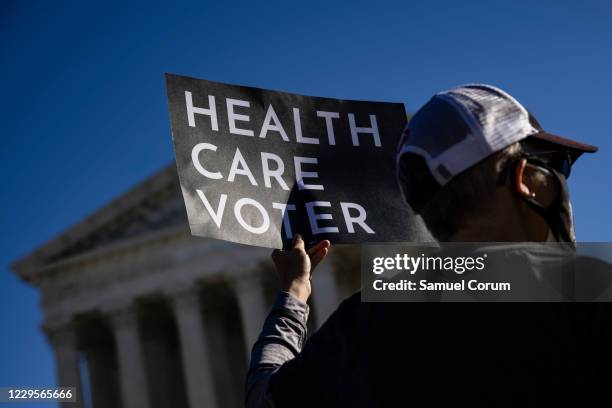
(141, 314)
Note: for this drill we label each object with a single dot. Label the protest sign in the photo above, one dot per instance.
(257, 166)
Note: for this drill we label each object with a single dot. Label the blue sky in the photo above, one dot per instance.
(84, 116)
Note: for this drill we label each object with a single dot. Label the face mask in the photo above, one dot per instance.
(558, 215)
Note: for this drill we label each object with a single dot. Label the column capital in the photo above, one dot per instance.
(185, 297)
(247, 281)
(63, 334)
(121, 314)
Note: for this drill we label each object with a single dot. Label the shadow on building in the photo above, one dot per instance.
(141, 314)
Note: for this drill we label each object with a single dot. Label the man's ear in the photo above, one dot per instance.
(519, 180)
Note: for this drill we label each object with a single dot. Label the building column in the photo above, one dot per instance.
(325, 291)
(253, 307)
(194, 350)
(130, 355)
(103, 384)
(64, 343)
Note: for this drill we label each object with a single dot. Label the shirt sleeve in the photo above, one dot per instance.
(281, 340)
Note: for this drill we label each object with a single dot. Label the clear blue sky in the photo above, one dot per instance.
(84, 116)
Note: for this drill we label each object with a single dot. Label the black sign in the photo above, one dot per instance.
(257, 166)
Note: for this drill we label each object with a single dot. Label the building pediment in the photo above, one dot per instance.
(153, 205)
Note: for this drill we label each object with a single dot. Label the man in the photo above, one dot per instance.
(477, 167)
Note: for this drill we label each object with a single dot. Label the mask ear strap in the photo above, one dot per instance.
(519, 171)
(558, 216)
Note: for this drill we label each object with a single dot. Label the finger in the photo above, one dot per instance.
(317, 258)
(318, 246)
(298, 242)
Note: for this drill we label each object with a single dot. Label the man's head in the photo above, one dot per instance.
(477, 166)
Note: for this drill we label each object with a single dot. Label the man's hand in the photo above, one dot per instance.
(295, 266)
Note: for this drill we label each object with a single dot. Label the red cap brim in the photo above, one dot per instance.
(579, 147)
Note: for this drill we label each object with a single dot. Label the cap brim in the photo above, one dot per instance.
(575, 145)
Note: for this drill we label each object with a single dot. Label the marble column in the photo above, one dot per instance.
(325, 291)
(64, 342)
(253, 307)
(132, 368)
(103, 382)
(194, 350)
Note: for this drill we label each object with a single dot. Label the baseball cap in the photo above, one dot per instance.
(460, 127)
